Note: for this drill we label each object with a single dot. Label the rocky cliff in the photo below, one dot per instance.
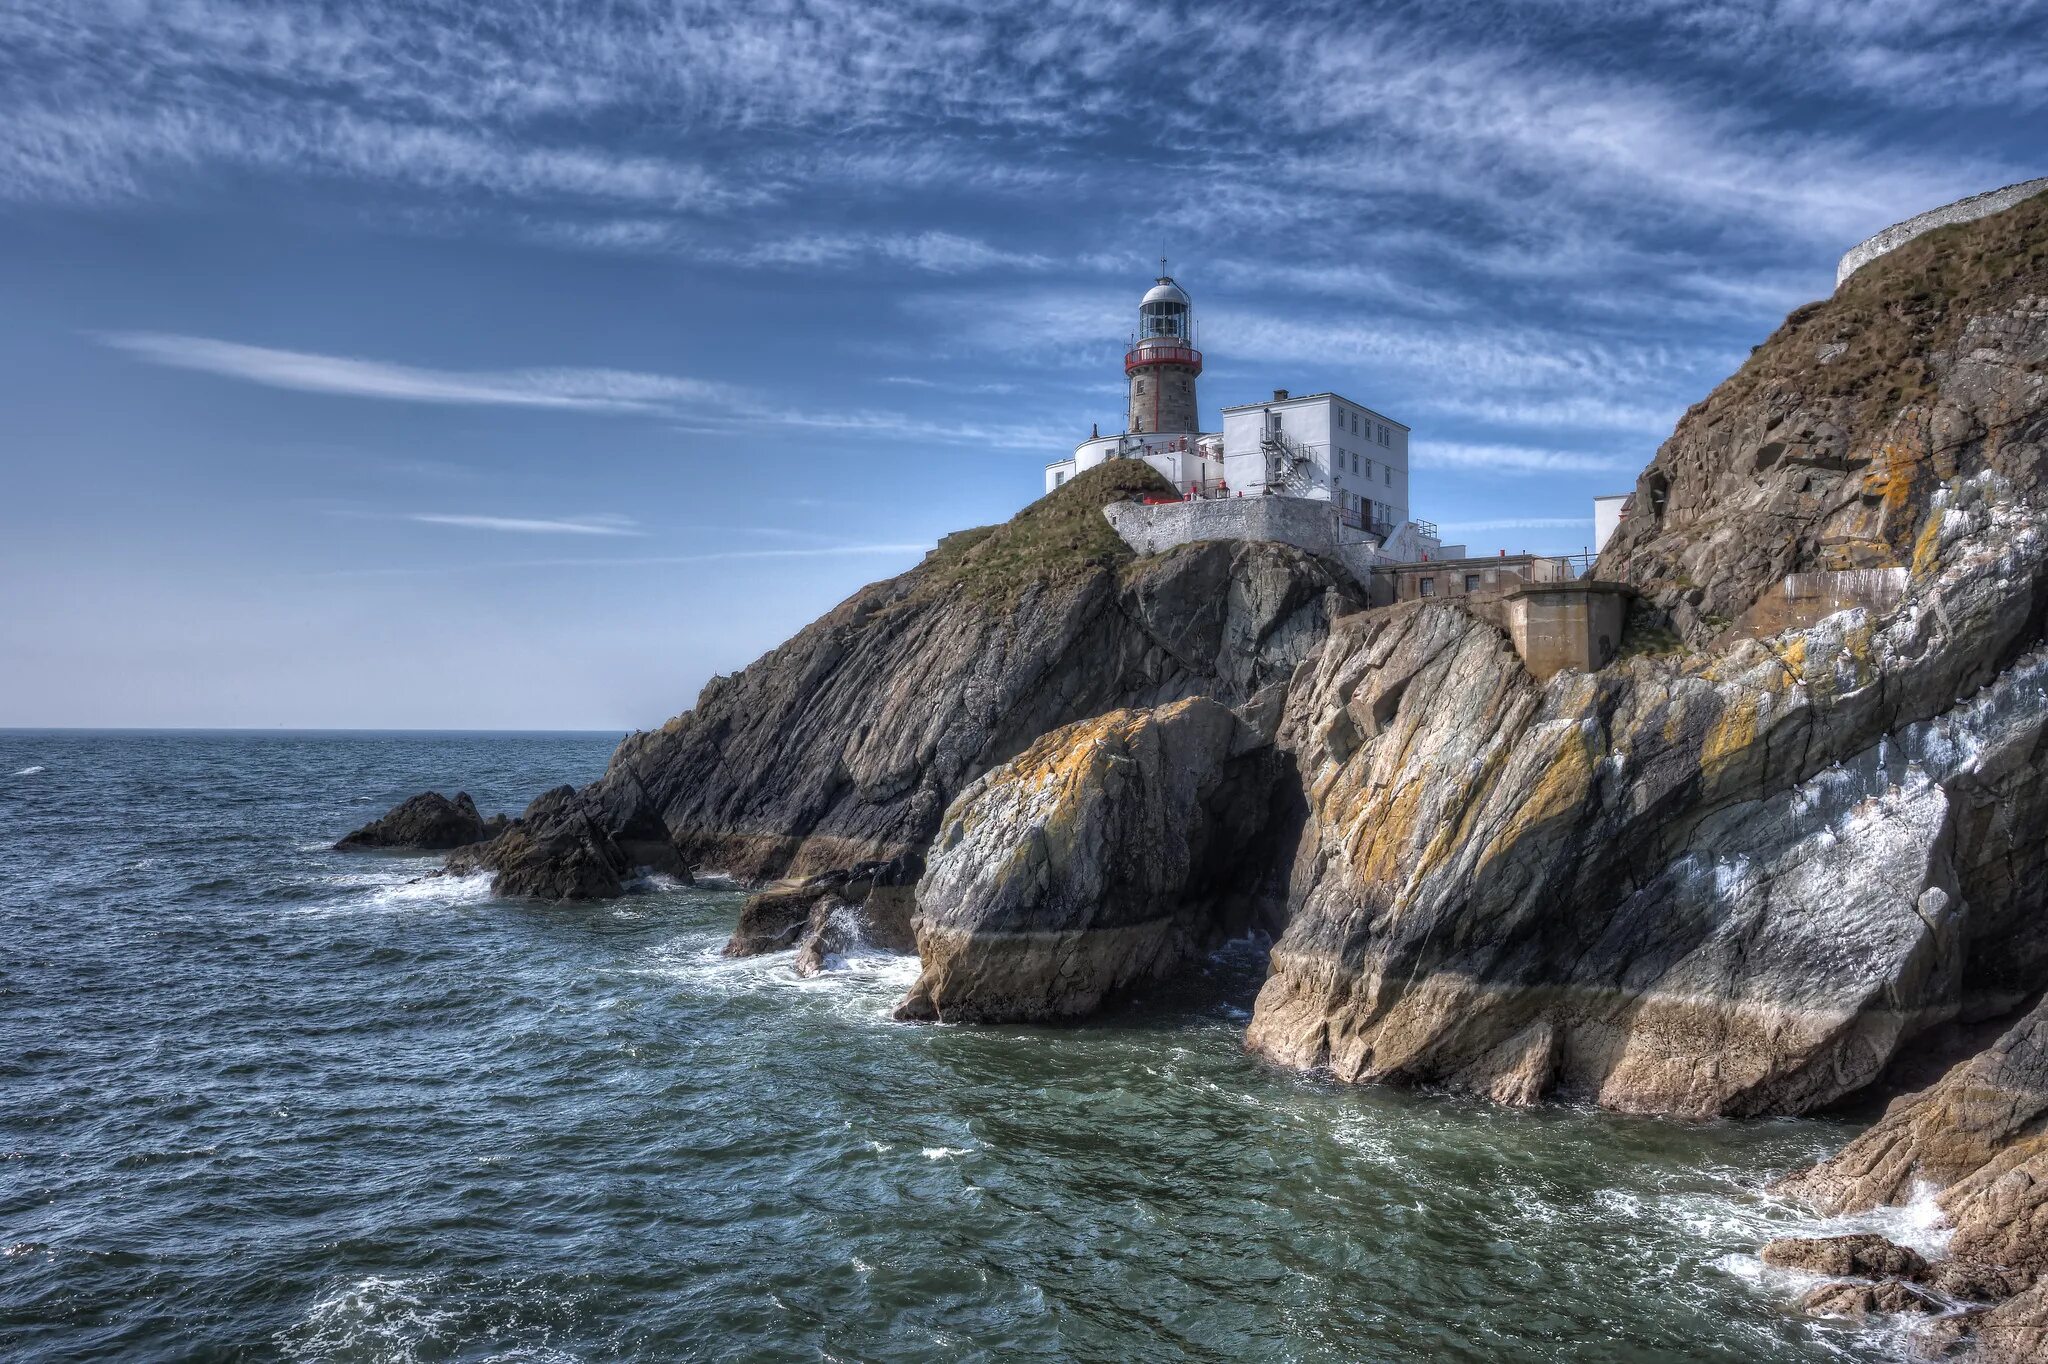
(1741, 877)
(841, 749)
(1824, 450)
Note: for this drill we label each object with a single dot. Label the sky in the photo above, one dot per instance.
(526, 364)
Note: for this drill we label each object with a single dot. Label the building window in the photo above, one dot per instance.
(1368, 468)
(1354, 423)
(1471, 582)
(1426, 586)
(1388, 470)
(1386, 436)
(1058, 479)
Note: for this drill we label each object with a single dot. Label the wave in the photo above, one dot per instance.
(30, 771)
(406, 1320)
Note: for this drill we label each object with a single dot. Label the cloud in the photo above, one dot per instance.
(588, 390)
(1516, 523)
(573, 525)
(1577, 411)
(641, 561)
(1515, 459)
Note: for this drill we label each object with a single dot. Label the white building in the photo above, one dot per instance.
(1321, 447)
(1608, 511)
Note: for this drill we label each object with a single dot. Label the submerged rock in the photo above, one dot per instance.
(1863, 1255)
(825, 914)
(557, 850)
(1097, 860)
(428, 822)
(1859, 1300)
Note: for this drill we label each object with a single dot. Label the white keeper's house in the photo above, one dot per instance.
(1347, 459)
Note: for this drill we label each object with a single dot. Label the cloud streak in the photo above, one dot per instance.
(642, 561)
(573, 525)
(1511, 459)
(580, 390)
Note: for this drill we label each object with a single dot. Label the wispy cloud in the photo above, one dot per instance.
(592, 390)
(1515, 459)
(571, 525)
(1516, 523)
(642, 561)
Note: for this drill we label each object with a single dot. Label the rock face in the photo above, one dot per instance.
(829, 913)
(843, 747)
(846, 744)
(429, 822)
(1738, 880)
(558, 850)
(1099, 859)
(1821, 453)
(1862, 1255)
(1733, 884)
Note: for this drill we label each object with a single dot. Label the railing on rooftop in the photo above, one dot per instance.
(1143, 357)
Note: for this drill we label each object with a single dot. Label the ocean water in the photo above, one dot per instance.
(260, 1100)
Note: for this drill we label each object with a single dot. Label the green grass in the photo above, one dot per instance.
(1060, 536)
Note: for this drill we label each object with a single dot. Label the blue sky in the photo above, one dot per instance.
(526, 364)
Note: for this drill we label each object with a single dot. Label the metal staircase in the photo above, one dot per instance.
(1289, 468)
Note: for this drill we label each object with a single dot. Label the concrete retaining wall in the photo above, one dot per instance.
(1305, 523)
(1961, 211)
(1567, 625)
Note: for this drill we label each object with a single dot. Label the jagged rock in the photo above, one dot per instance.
(1724, 884)
(557, 850)
(882, 921)
(823, 914)
(2015, 1331)
(1981, 1134)
(1973, 1122)
(1863, 1255)
(846, 744)
(1822, 451)
(1970, 1282)
(1096, 860)
(1737, 880)
(428, 822)
(1858, 1300)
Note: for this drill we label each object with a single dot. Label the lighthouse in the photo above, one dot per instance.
(1162, 363)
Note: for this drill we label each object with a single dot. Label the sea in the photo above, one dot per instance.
(260, 1100)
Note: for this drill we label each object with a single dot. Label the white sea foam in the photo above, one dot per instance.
(435, 891)
(397, 1319)
(945, 1152)
(29, 771)
(861, 983)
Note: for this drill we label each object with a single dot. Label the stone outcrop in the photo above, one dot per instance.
(1727, 884)
(1101, 858)
(1859, 1300)
(557, 850)
(1862, 1255)
(428, 822)
(1821, 452)
(832, 912)
(844, 746)
(1740, 879)
(1980, 1135)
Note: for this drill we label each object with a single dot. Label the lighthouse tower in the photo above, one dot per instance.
(1162, 363)
(1160, 423)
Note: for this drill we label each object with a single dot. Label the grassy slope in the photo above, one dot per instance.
(1896, 310)
(1062, 535)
